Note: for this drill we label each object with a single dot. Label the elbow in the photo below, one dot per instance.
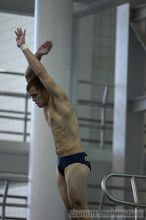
(39, 73)
(39, 70)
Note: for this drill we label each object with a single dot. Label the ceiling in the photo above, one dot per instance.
(17, 6)
(27, 7)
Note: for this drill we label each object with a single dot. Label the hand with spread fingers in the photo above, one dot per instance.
(20, 36)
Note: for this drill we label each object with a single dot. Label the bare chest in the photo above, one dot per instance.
(53, 118)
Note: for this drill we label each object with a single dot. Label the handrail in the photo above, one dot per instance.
(14, 133)
(13, 94)
(25, 119)
(93, 83)
(94, 120)
(100, 104)
(4, 199)
(25, 113)
(94, 126)
(134, 204)
(96, 141)
(15, 197)
(2, 71)
(94, 103)
(14, 118)
(14, 177)
(13, 112)
(114, 187)
(103, 115)
(9, 178)
(98, 201)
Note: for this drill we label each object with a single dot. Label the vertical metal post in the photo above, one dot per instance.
(135, 195)
(4, 199)
(101, 205)
(74, 65)
(102, 123)
(25, 118)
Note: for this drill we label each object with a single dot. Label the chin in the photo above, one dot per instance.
(40, 106)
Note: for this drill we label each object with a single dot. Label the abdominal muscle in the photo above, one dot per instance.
(66, 136)
(66, 144)
(65, 132)
(70, 147)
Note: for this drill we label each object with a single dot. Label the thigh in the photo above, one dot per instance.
(63, 189)
(76, 177)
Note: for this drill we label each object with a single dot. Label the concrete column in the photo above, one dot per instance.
(121, 77)
(128, 139)
(128, 134)
(53, 21)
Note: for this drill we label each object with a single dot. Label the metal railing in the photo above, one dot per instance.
(107, 190)
(14, 114)
(96, 198)
(8, 179)
(102, 123)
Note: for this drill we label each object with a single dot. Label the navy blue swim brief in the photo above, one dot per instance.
(65, 161)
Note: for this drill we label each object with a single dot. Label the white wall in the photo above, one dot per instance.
(14, 157)
(96, 37)
(103, 64)
(12, 59)
(96, 57)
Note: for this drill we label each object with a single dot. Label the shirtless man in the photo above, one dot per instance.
(73, 164)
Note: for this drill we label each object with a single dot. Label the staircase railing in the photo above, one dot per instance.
(107, 193)
(13, 114)
(6, 181)
(102, 103)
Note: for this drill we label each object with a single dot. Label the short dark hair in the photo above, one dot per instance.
(34, 82)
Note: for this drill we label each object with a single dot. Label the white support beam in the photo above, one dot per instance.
(121, 81)
(106, 4)
(137, 104)
(128, 129)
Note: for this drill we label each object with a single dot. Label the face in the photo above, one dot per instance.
(39, 96)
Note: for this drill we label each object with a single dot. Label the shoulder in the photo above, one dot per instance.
(63, 105)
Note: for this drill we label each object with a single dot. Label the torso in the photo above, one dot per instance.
(63, 122)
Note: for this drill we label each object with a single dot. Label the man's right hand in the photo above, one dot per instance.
(45, 48)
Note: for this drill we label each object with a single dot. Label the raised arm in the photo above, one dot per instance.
(38, 68)
(44, 49)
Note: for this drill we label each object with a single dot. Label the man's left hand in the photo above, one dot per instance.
(20, 36)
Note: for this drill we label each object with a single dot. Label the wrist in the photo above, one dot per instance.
(23, 47)
(37, 55)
